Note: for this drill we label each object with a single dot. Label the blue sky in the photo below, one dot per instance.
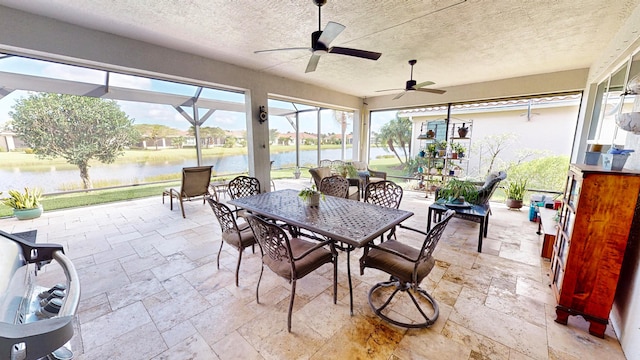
(144, 113)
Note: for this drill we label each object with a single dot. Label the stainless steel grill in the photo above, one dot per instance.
(36, 322)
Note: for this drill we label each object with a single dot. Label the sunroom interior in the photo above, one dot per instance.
(191, 56)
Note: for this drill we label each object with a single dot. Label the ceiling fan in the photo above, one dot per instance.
(321, 39)
(413, 86)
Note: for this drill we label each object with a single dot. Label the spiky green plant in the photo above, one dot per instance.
(29, 199)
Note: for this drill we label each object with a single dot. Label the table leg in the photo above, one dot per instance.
(349, 276)
(429, 219)
(486, 225)
(481, 232)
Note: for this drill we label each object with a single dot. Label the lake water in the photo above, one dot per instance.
(132, 173)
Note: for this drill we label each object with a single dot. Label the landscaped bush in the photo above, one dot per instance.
(546, 173)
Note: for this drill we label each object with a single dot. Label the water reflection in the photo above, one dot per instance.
(143, 171)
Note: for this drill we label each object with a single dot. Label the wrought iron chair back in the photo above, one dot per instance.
(291, 259)
(335, 185)
(242, 186)
(407, 267)
(239, 237)
(384, 193)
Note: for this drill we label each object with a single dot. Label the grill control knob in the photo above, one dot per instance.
(51, 309)
(55, 294)
(45, 294)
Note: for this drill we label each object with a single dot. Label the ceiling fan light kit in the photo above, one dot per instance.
(321, 39)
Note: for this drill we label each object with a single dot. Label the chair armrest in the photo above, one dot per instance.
(390, 251)
(316, 247)
(413, 229)
(380, 174)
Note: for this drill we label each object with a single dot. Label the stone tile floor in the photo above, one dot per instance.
(151, 290)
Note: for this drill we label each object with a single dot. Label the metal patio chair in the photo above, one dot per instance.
(291, 259)
(407, 266)
(195, 183)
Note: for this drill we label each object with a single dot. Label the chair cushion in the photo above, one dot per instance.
(359, 165)
(303, 266)
(241, 241)
(354, 193)
(324, 172)
(395, 265)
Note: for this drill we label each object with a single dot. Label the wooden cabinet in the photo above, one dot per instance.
(598, 208)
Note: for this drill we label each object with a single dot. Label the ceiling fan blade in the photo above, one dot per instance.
(433, 91)
(330, 32)
(283, 49)
(399, 95)
(313, 63)
(388, 90)
(355, 52)
(423, 84)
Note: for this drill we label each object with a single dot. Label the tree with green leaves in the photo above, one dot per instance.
(394, 135)
(76, 128)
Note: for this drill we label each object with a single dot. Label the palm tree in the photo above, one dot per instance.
(396, 133)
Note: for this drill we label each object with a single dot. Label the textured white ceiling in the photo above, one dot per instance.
(455, 41)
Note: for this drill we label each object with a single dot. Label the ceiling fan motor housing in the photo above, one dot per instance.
(411, 84)
(315, 44)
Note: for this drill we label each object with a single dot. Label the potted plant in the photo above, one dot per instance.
(459, 149)
(431, 149)
(457, 191)
(311, 195)
(347, 170)
(26, 205)
(442, 147)
(515, 193)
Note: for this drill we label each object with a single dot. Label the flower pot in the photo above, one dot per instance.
(618, 161)
(514, 204)
(591, 158)
(27, 214)
(314, 200)
(462, 132)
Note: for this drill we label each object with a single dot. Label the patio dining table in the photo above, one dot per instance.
(349, 222)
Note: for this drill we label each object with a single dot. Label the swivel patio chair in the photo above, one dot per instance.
(242, 186)
(334, 185)
(384, 193)
(291, 259)
(195, 183)
(237, 235)
(407, 267)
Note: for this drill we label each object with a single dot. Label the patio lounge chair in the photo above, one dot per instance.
(195, 183)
